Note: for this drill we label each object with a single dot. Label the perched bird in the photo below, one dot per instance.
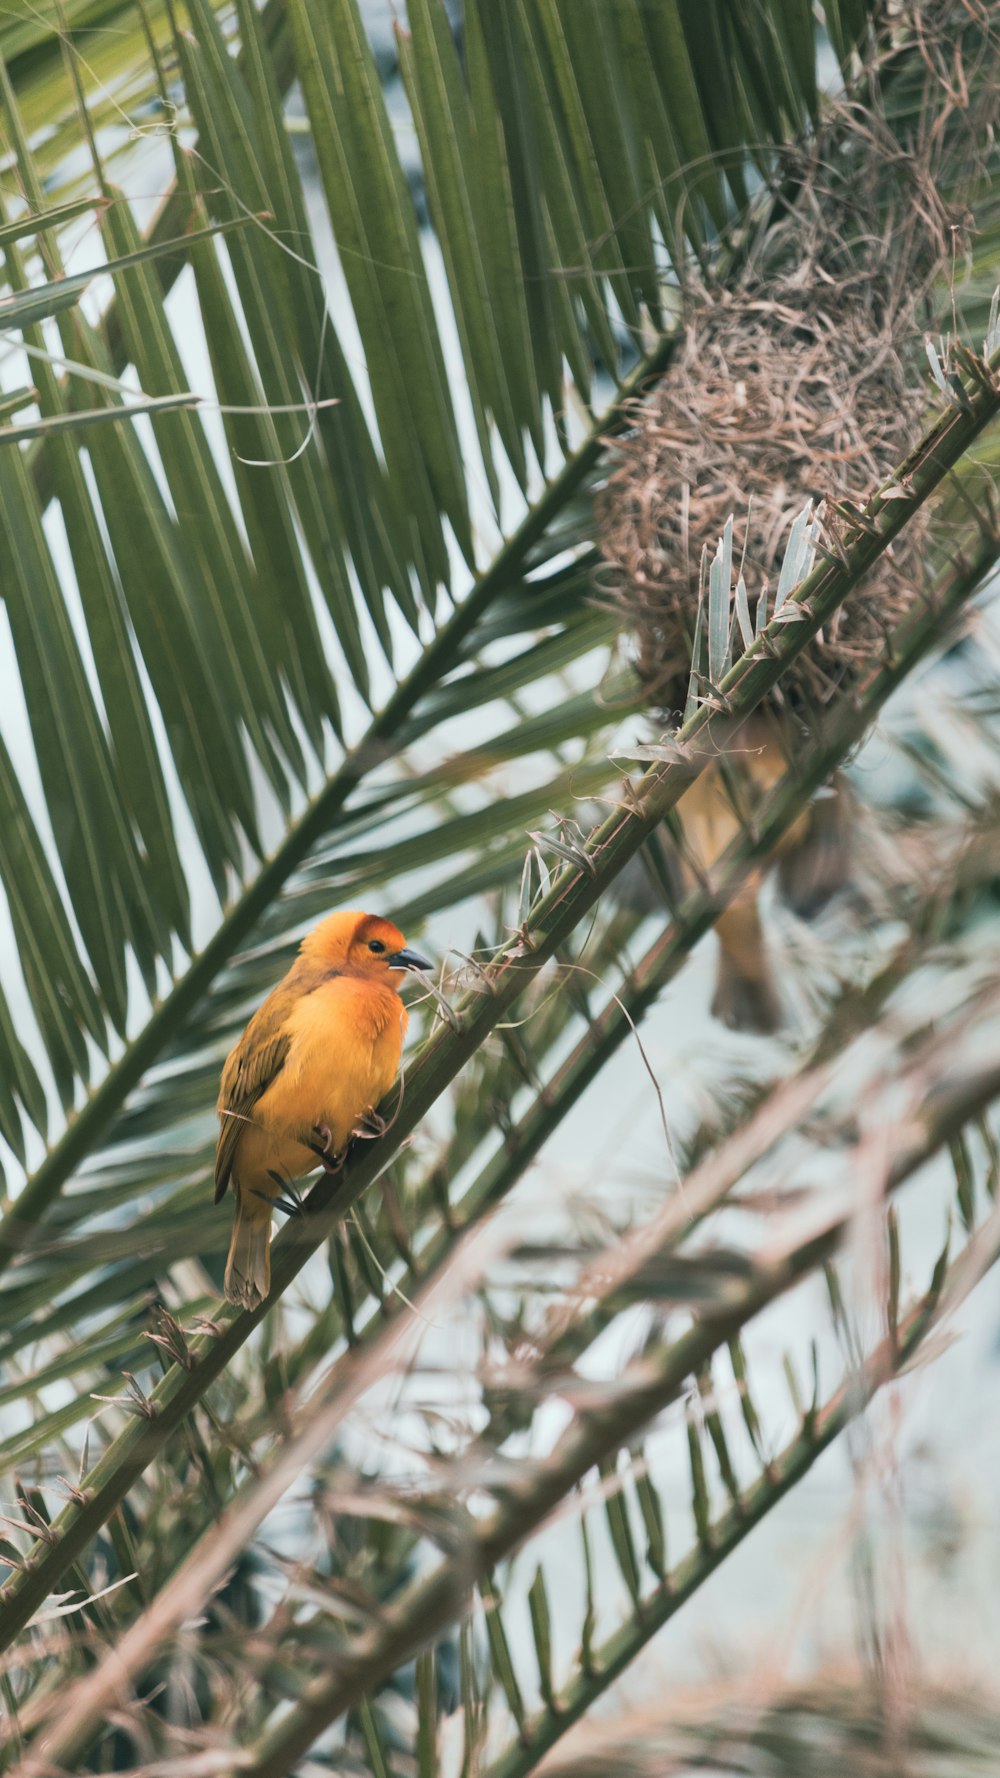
(317, 1056)
(812, 858)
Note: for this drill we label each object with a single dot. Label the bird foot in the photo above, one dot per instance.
(323, 1149)
(372, 1124)
(323, 1139)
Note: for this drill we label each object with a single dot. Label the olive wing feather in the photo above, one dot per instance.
(256, 1061)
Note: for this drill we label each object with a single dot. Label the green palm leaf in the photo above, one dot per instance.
(254, 631)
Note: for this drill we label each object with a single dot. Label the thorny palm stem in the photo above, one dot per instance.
(525, 1497)
(818, 1430)
(533, 1490)
(572, 895)
(169, 1013)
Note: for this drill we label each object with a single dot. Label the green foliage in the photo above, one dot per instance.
(340, 640)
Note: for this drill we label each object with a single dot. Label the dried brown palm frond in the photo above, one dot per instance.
(807, 376)
(836, 1722)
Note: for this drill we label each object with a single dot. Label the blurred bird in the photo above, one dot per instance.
(813, 861)
(316, 1057)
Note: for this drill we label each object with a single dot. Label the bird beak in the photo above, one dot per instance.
(408, 960)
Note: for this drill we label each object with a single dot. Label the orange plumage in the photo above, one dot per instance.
(320, 1052)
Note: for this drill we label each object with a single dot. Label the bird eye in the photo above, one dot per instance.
(375, 944)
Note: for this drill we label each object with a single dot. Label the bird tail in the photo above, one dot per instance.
(248, 1268)
(745, 995)
(819, 860)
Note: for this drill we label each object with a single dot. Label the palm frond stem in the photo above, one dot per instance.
(783, 1471)
(535, 1490)
(526, 1498)
(574, 891)
(87, 1124)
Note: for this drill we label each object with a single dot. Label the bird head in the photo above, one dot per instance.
(362, 944)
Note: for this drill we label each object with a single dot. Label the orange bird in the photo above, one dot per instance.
(321, 1052)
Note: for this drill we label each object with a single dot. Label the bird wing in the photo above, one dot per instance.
(256, 1061)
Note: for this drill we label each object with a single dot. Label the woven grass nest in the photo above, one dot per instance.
(775, 395)
(807, 378)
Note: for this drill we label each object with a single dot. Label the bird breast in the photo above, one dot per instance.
(346, 1040)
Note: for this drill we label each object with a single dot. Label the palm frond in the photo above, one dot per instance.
(254, 636)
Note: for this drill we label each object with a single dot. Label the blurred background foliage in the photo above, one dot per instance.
(363, 382)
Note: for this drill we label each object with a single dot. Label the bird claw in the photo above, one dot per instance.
(324, 1139)
(368, 1127)
(372, 1124)
(323, 1149)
